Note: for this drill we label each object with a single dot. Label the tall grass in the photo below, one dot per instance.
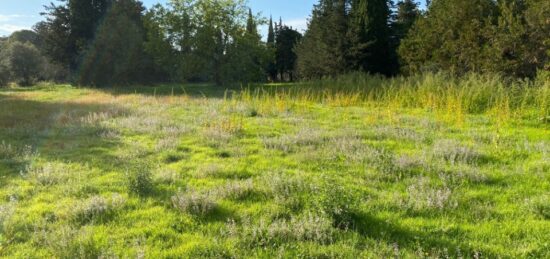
(471, 94)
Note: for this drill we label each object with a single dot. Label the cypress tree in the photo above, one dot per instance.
(271, 32)
(251, 27)
(271, 66)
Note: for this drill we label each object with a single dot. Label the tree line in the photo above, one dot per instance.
(119, 42)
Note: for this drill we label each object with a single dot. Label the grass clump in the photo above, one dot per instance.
(308, 226)
(422, 195)
(6, 212)
(194, 202)
(98, 208)
(48, 174)
(454, 152)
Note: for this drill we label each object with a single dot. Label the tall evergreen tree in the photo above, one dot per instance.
(114, 57)
(406, 14)
(251, 26)
(270, 32)
(323, 50)
(271, 66)
(371, 48)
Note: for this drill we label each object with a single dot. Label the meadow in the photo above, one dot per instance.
(355, 167)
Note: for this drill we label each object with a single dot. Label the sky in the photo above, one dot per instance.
(23, 14)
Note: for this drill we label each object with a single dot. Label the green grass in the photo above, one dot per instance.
(357, 167)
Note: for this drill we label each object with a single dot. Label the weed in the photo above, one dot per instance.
(139, 181)
(541, 206)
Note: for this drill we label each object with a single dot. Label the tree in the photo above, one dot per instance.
(287, 38)
(4, 72)
(23, 61)
(323, 50)
(452, 37)
(271, 66)
(519, 38)
(371, 48)
(117, 56)
(406, 15)
(270, 33)
(25, 36)
(70, 28)
(208, 40)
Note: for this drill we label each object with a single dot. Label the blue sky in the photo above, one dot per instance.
(22, 14)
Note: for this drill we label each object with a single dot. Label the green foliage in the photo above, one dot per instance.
(507, 37)
(285, 56)
(23, 61)
(4, 74)
(322, 52)
(369, 33)
(207, 41)
(450, 37)
(347, 35)
(116, 58)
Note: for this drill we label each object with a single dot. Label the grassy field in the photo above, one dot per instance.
(360, 167)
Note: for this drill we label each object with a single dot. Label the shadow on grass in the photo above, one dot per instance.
(54, 131)
(192, 90)
(378, 229)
